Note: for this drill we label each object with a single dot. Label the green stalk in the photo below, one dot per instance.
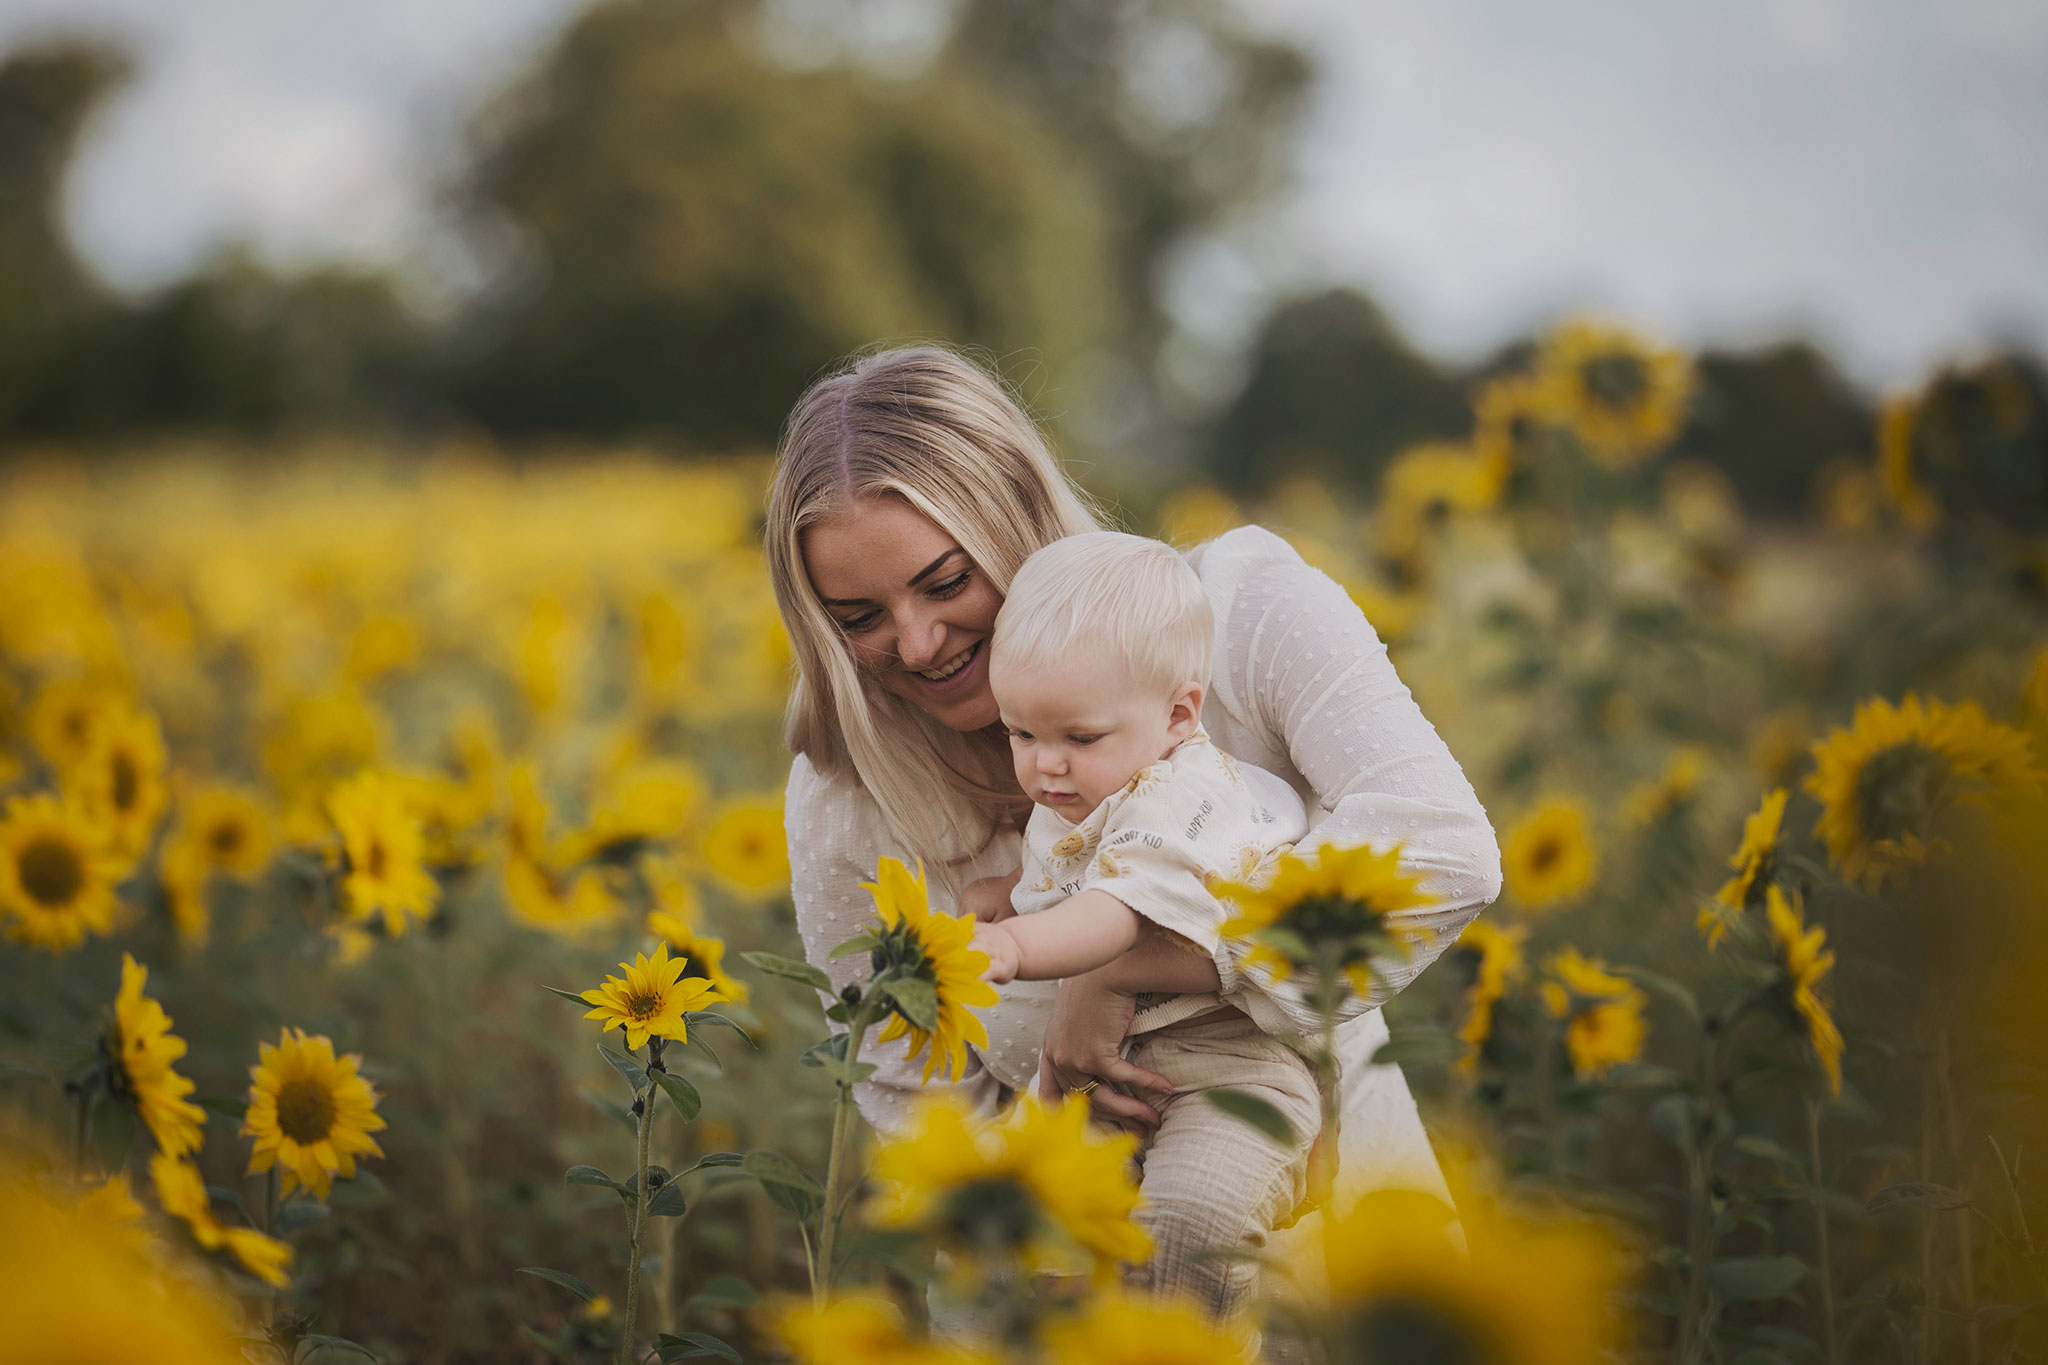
(1322, 1172)
(639, 1220)
(1820, 1219)
(842, 1121)
(1696, 1325)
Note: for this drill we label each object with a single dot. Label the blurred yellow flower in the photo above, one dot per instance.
(1883, 782)
(229, 827)
(1425, 486)
(382, 843)
(1040, 1185)
(1549, 856)
(382, 643)
(181, 1190)
(1506, 417)
(1624, 398)
(1805, 962)
(935, 947)
(1114, 1329)
(1780, 744)
(744, 847)
(1755, 864)
(56, 876)
(562, 904)
(860, 1330)
(66, 716)
(145, 1051)
(650, 800)
(705, 954)
(310, 1113)
(1605, 1012)
(1896, 423)
(317, 740)
(1390, 1282)
(1670, 791)
(120, 780)
(1329, 907)
(650, 1000)
(1495, 957)
(1195, 514)
(75, 1287)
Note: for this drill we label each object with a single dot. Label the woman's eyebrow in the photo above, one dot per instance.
(915, 579)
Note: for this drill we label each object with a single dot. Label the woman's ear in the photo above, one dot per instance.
(1184, 712)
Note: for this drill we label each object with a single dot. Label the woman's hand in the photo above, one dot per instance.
(988, 899)
(1084, 1042)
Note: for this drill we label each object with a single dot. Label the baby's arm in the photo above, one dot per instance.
(989, 898)
(1078, 935)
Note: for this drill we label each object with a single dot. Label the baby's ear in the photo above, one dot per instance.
(1184, 712)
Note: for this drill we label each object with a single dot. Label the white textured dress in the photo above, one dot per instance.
(1300, 686)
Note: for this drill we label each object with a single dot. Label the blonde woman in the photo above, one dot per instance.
(910, 488)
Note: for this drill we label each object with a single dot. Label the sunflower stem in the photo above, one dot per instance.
(842, 1113)
(1696, 1326)
(639, 1220)
(1322, 1171)
(1820, 1221)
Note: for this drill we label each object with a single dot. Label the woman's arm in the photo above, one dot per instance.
(834, 846)
(1306, 669)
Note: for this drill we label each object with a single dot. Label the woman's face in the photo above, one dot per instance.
(915, 610)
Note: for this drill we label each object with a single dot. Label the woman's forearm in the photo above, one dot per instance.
(1156, 963)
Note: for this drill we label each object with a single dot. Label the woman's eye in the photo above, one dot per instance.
(953, 587)
(857, 624)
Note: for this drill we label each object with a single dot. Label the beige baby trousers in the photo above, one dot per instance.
(1212, 1181)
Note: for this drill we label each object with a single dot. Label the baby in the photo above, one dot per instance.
(1099, 663)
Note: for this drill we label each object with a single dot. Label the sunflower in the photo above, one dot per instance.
(1426, 486)
(705, 954)
(145, 1048)
(1670, 792)
(650, 801)
(860, 1330)
(1622, 397)
(120, 780)
(1896, 425)
(1505, 420)
(1755, 864)
(744, 847)
(651, 999)
(56, 876)
(66, 716)
(932, 946)
(230, 828)
(181, 1190)
(1550, 856)
(75, 1288)
(1389, 1281)
(1883, 782)
(1331, 906)
(1116, 1330)
(1040, 1185)
(1495, 957)
(1605, 1012)
(564, 905)
(1804, 962)
(310, 1112)
(382, 847)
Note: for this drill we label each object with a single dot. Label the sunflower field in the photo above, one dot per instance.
(398, 959)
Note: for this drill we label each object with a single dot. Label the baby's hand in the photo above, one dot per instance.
(1002, 953)
(988, 899)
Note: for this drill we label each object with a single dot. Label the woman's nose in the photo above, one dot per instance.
(918, 642)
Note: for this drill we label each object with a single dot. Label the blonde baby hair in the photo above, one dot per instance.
(1107, 593)
(926, 425)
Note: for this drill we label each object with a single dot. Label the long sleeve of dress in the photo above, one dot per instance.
(1304, 672)
(836, 839)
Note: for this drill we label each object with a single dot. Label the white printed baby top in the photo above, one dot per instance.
(1193, 817)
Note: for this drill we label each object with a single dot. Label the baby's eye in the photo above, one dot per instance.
(1023, 735)
(1083, 740)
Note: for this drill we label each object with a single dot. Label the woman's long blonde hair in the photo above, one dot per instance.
(929, 426)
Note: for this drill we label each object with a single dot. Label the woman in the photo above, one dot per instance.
(909, 489)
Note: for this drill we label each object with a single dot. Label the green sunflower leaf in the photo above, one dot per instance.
(312, 1344)
(859, 943)
(773, 1168)
(562, 1278)
(711, 1160)
(569, 996)
(696, 1018)
(667, 1202)
(590, 1175)
(294, 1214)
(685, 1345)
(915, 999)
(1250, 1109)
(1418, 1047)
(775, 964)
(635, 1074)
(1915, 1194)
(1755, 1277)
(681, 1094)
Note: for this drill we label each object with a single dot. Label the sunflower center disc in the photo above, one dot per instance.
(375, 862)
(51, 872)
(1545, 855)
(127, 783)
(1397, 1327)
(224, 838)
(1616, 382)
(640, 1006)
(305, 1111)
(1899, 789)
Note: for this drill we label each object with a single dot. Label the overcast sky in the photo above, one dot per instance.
(1723, 170)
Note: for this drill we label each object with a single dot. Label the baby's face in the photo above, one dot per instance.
(1079, 732)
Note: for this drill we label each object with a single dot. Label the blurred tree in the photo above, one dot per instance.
(1334, 391)
(47, 96)
(1772, 419)
(703, 231)
(1176, 110)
